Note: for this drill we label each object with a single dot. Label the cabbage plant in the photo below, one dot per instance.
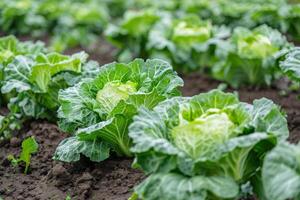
(98, 112)
(10, 47)
(32, 85)
(130, 35)
(205, 146)
(250, 57)
(281, 172)
(188, 42)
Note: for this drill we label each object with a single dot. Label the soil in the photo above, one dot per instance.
(48, 179)
(114, 178)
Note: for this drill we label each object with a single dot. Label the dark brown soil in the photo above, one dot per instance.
(112, 179)
(101, 51)
(48, 179)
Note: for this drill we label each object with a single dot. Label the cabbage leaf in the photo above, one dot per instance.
(281, 172)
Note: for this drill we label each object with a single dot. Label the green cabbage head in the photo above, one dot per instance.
(204, 142)
(204, 134)
(191, 30)
(113, 92)
(255, 45)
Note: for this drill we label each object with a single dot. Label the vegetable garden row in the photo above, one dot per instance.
(69, 126)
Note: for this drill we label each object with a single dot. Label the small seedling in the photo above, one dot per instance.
(68, 197)
(29, 146)
(134, 196)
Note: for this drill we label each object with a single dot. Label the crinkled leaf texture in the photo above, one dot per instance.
(46, 66)
(257, 129)
(291, 64)
(281, 172)
(33, 83)
(173, 186)
(103, 108)
(11, 47)
(250, 57)
(71, 148)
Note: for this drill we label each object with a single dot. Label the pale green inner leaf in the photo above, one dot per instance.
(204, 134)
(185, 33)
(113, 92)
(256, 46)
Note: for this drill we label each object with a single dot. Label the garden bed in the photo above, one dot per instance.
(207, 146)
(114, 178)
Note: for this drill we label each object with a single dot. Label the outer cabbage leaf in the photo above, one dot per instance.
(88, 110)
(113, 131)
(11, 47)
(17, 75)
(8, 47)
(268, 117)
(48, 66)
(71, 148)
(281, 172)
(172, 186)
